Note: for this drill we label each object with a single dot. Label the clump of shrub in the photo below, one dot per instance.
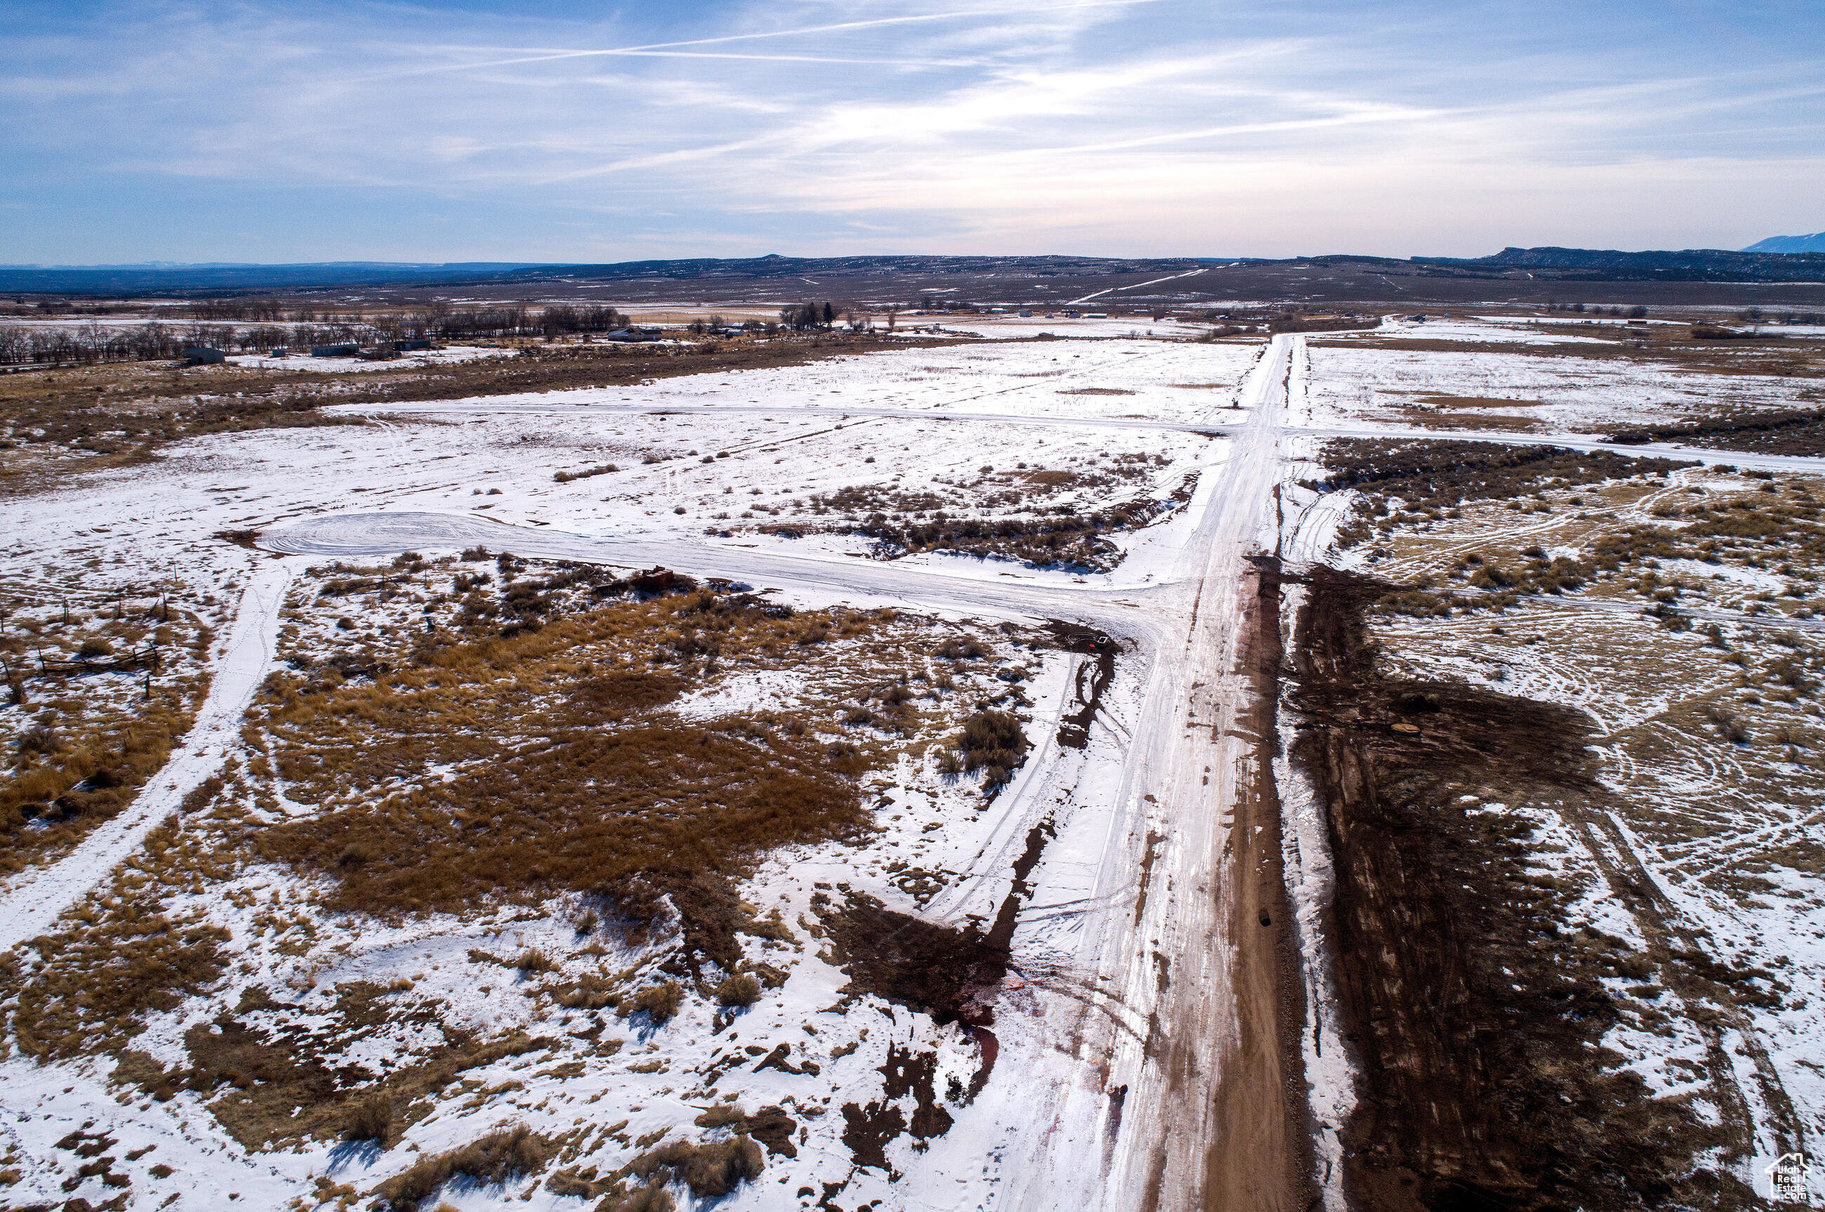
(565, 477)
(959, 648)
(651, 1198)
(533, 961)
(738, 989)
(39, 738)
(992, 741)
(371, 1118)
(494, 1158)
(1727, 723)
(710, 1168)
(590, 992)
(660, 1003)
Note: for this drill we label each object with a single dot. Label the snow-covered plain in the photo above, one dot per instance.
(1541, 381)
(730, 452)
(686, 472)
(442, 356)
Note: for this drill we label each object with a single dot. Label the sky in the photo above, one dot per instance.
(586, 132)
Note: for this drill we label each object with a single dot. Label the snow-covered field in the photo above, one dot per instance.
(442, 356)
(766, 480)
(721, 454)
(1535, 391)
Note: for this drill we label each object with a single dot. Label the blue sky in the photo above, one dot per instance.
(258, 131)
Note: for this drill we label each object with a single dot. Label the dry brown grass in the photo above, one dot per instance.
(711, 1169)
(286, 1082)
(659, 1003)
(84, 740)
(740, 989)
(1476, 402)
(566, 770)
(81, 778)
(1793, 359)
(88, 987)
(1014, 513)
(992, 741)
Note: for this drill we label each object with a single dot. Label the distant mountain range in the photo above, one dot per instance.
(1522, 273)
(1685, 265)
(231, 277)
(1815, 243)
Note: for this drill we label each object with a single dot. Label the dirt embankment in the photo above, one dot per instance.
(1474, 1014)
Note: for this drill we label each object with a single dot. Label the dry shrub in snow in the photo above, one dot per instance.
(371, 1118)
(495, 1158)
(740, 989)
(710, 1168)
(533, 961)
(660, 1003)
(651, 1198)
(993, 741)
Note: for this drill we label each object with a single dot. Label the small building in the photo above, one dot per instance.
(204, 355)
(413, 344)
(345, 350)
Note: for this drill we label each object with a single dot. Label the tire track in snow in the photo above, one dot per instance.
(1169, 962)
(37, 898)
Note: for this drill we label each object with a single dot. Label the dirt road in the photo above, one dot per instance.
(1186, 1093)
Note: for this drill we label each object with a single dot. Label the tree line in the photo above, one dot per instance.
(26, 344)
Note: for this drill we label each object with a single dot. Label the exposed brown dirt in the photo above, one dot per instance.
(1093, 679)
(1261, 1156)
(1475, 1019)
(950, 973)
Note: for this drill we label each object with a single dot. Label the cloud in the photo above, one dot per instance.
(1114, 125)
